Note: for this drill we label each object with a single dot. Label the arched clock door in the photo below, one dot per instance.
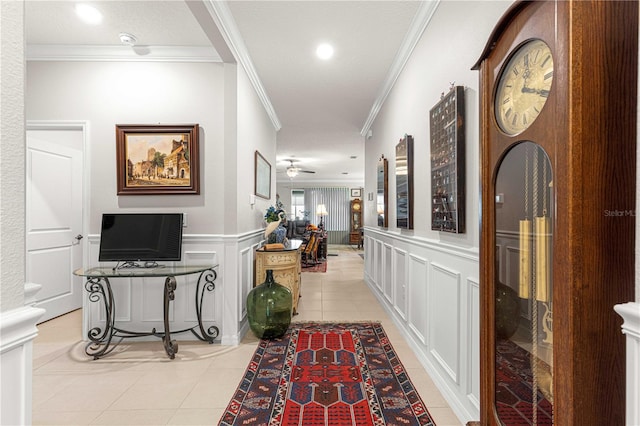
(558, 84)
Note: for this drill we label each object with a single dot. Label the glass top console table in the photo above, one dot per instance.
(101, 341)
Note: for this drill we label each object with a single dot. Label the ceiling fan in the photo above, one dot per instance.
(292, 170)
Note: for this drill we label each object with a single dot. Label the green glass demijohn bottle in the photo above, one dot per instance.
(269, 307)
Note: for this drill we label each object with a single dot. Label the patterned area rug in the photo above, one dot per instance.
(318, 267)
(318, 374)
(514, 392)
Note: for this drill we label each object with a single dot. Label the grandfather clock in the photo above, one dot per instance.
(356, 222)
(558, 84)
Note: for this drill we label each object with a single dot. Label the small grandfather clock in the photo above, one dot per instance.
(558, 84)
(356, 222)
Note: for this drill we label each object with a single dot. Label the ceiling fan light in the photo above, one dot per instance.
(292, 172)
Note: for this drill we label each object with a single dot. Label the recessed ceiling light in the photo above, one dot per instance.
(324, 51)
(353, 157)
(88, 14)
(345, 173)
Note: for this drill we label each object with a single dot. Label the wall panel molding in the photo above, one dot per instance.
(378, 273)
(444, 317)
(473, 341)
(400, 276)
(418, 282)
(441, 321)
(386, 278)
(246, 280)
(471, 254)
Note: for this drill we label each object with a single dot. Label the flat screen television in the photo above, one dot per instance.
(141, 237)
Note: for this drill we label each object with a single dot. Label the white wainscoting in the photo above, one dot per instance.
(399, 280)
(417, 314)
(431, 291)
(139, 302)
(18, 329)
(473, 342)
(630, 312)
(443, 308)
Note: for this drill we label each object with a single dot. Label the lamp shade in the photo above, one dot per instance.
(322, 210)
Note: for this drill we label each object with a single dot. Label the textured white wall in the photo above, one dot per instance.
(255, 132)
(451, 44)
(110, 93)
(12, 156)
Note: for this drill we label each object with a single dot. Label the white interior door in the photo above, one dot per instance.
(54, 215)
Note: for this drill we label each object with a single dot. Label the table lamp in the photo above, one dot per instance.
(321, 211)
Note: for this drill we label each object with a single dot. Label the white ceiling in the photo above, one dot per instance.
(322, 106)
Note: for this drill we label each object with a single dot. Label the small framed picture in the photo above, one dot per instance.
(263, 176)
(356, 192)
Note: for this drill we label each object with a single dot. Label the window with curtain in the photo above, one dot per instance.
(297, 204)
(336, 201)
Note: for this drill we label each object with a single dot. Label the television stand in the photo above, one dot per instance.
(101, 342)
(132, 264)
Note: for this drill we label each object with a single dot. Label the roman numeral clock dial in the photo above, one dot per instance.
(523, 87)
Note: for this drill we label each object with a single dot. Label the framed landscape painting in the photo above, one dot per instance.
(262, 172)
(157, 159)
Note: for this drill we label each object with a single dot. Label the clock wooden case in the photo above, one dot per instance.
(356, 221)
(558, 83)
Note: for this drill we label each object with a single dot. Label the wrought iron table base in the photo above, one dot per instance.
(101, 342)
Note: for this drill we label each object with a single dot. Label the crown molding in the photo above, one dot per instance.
(418, 24)
(223, 18)
(56, 52)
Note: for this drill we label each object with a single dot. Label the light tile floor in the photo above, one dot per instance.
(139, 385)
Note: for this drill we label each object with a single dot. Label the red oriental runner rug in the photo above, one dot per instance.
(318, 267)
(327, 374)
(514, 392)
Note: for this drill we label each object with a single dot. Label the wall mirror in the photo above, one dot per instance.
(404, 183)
(382, 197)
(447, 162)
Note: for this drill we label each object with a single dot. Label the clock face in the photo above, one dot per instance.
(523, 87)
(356, 206)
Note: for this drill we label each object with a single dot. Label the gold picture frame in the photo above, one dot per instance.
(157, 159)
